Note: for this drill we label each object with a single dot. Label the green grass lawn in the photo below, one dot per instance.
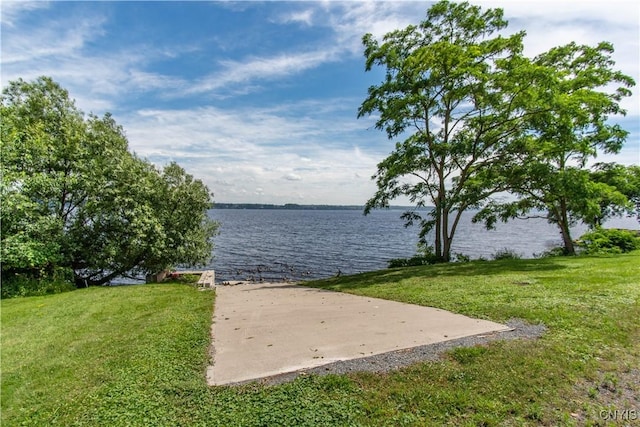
(137, 355)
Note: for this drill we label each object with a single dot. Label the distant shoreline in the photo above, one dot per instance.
(295, 206)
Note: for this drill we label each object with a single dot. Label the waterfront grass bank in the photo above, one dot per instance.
(136, 355)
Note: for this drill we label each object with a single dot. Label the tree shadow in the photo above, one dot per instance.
(474, 268)
(257, 286)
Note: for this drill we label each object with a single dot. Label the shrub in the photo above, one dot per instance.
(609, 240)
(460, 257)
(34, 283)
(550, 253)
(182, 278)
(410, 262)
(506, 254)
(424, 256)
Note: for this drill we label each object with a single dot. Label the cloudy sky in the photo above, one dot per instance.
(259, 99)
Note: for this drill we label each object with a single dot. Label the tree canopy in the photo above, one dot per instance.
(455, 92)
(620, 179)
(477, 118)
(548, 168)
(73, 196)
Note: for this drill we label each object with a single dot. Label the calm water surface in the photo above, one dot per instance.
(264, 244)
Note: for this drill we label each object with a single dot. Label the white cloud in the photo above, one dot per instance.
(312, 149)
(303, 17)
(259, 69)
(293, 177)
(347, 21)
(62, 49)
(144, 81)
(556, 23)
(235, 151)
(52, 41)
(10, 11)
(548, 23)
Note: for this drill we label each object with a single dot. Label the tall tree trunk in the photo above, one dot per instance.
(438, 239)
(441, 220)
(452, 233)
(569, 248)
(446, 250)
(563, 223)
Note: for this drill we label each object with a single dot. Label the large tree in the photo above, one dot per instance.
(456, 93)
(73, 196)
(548, 171)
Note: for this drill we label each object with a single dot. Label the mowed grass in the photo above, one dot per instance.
(137, 355)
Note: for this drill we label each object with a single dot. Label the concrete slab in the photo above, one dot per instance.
(261, 330)
(207, 279)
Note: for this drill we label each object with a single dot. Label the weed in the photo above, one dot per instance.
(506, 254)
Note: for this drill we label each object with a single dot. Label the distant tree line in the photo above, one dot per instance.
(295, 206)
(478, 120)
(77, 204)
(286, 206)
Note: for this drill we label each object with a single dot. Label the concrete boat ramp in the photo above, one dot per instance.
(268, 329)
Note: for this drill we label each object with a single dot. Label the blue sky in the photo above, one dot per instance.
(259, 99)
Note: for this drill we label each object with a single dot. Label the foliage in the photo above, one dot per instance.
(550, 253)
(424, 256)
(547, 171)
(456, 94)
(609, 240)
(75, 197)
(424, 260)
(505, 254)
(189, 279)
(625, 180)
(460, 257)
(480, 118)
(34, 283)
(136, 355)
(413, 261)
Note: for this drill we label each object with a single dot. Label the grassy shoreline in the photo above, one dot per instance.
(136, 355)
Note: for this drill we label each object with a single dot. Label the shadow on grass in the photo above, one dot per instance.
(474, 268)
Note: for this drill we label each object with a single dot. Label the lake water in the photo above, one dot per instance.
(275, 245)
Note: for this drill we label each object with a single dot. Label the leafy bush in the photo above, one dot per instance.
(143, 221)
(506, 254)
(424, 256)
(190, 278)
(550, 253)
(34, 283)
(413, 261)
(460, 257)
(182, 278)
(609, 240)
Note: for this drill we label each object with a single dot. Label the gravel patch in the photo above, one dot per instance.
(393, 360)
